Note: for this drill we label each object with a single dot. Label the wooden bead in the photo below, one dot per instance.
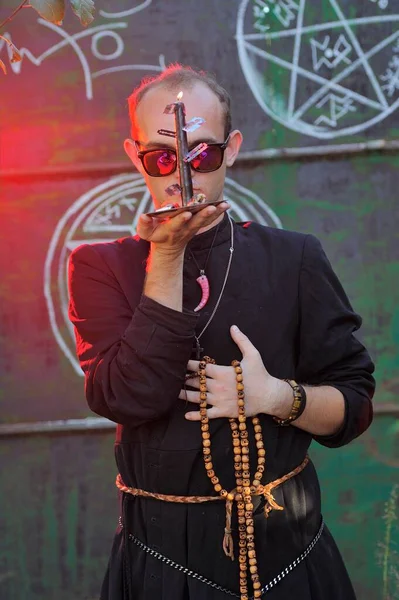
(206, 443)
(256, 585)
(243, 567)
(218, 487)
(240, 386)
(239, 377)
(252, 561)
(206, 435)
(211, 473)
(253, 569)
(250, 530)
(215, 480)
(251, 553)
(261, 452)
(230, 496)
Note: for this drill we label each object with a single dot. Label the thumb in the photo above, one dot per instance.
(242, 341)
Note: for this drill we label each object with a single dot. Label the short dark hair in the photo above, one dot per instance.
(178, 76)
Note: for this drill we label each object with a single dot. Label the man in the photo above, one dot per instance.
(275, 301)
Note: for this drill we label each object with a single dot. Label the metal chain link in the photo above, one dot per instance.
(212, 584)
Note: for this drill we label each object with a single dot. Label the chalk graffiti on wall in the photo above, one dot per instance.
(105, 213)
(111, 33)
(311, 73)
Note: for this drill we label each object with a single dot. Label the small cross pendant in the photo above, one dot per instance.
(197, 350)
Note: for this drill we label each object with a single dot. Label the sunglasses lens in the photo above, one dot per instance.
(159, 162)
(209, 160)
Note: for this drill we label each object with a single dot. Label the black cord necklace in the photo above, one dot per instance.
(203, 280)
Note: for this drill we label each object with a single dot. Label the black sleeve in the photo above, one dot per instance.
(134, 363)
(329, 353)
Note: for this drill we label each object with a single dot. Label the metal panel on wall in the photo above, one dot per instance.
(313, 86)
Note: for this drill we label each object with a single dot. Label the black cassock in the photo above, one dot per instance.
(283, 294)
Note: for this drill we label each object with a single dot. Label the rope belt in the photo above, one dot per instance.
(261, 490)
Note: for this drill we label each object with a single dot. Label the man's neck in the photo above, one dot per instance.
(214, 224)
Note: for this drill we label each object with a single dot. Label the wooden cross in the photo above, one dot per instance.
(197, 350)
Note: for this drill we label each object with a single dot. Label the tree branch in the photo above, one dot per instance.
(14, 13)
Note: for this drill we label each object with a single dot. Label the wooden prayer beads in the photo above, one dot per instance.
(244, 490)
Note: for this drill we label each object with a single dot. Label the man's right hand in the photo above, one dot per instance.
(172, 234)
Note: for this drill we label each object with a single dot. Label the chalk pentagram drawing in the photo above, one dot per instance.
(317, 70)
(105, 213)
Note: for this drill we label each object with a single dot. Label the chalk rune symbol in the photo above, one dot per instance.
(331, 56)
(391, 75)
(339, 107)
(283, 10)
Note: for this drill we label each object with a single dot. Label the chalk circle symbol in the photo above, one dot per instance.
(332, 108)
(107, 212)
(107, 34)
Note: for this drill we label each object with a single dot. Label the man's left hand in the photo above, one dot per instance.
(262, 390)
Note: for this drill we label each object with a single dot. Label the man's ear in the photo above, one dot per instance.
(233, 147)
(131, 151)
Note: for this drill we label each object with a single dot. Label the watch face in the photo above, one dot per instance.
(107, 212)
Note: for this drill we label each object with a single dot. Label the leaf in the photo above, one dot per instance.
(51, 10)
(15, 56)
(84, 9)
(2, 66)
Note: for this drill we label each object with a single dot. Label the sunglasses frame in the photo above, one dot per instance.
(142, 153)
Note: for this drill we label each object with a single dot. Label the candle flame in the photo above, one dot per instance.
(179, 96)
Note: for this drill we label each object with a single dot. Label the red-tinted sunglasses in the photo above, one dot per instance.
(163, 161)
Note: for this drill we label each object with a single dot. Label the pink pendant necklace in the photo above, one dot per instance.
(203, 280)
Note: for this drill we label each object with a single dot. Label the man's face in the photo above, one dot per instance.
(199, 102)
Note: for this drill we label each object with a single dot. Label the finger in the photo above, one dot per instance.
(193, 382)
(176, 223)
(212, 413)
(242, 341)
(193, 365)
(145, 225)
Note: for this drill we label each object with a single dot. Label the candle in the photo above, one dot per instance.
(186, 182)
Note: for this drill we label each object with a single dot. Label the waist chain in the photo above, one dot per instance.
(261, 490)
